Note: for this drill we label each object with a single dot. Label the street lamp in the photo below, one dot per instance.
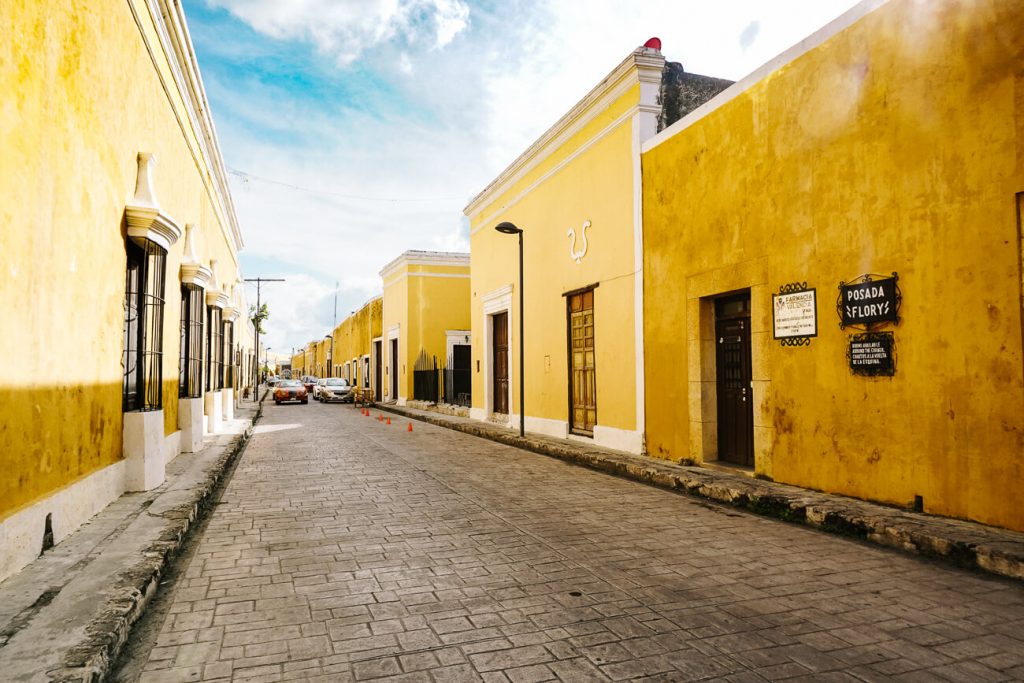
(510, 229)
(266, 360)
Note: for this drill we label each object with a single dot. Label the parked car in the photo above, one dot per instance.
(309, 381)
(334, 389)
(290, 390)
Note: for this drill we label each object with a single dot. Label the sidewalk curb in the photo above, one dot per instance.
(90, 661)
(963, 544)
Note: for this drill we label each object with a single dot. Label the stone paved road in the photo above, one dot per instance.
(346, 549)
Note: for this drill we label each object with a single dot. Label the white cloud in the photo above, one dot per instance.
(345, 29)
(449, 116)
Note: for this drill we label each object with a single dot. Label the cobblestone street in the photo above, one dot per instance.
(348, 549)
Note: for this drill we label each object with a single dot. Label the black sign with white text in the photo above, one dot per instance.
(866, 303)
(872, 354)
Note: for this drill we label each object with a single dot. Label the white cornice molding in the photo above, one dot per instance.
(145, 219)
(415, 257)
(494, 294)
(638, 67)
(230, 313)
(194, 274)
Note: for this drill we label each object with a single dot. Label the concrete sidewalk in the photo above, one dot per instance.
(962, 543)
(65, 616)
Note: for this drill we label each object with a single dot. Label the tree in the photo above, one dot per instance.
(258, 317)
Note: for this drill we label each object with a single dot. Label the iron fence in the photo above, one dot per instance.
(451, 383)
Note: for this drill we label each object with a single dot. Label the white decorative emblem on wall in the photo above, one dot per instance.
(573, 253)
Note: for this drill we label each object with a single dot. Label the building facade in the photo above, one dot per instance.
(358, 346)
(576, 196)
(424, 316)
(835, 244)
(121, 297)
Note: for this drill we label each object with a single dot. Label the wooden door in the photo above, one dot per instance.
(377, 363)
(499, 353)
(394, 370)
(735, 400)
(582, 381)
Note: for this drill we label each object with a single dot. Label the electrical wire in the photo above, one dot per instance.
(247, 177)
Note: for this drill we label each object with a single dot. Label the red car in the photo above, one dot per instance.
(290, 390)
(309, 381)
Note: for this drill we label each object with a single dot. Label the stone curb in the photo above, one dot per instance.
(91, 660)
(961, 543)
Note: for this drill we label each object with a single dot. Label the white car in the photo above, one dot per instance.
(333, 389)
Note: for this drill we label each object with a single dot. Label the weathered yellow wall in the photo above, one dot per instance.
(82, 97)
(598, 186)
(894, 146)
(353, 337)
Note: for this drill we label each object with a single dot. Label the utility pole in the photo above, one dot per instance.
(256, 349)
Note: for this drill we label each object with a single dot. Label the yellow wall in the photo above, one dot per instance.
(596, 185)
(894, 146)
(82, 97)
(353, 337)
(424, 300)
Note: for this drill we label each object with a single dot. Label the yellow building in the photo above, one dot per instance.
(424, 319)
(118, 224)
(888, 144)
(357, 346)
(575, 194)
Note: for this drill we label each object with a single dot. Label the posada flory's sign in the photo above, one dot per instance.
(868, 302)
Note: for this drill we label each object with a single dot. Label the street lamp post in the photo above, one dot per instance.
(266, 358)
(511, 229)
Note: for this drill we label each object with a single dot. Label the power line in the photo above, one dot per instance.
(247, 177)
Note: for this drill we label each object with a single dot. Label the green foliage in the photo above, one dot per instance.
(258, 317)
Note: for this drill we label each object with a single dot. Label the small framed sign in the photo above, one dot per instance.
(872, 354)
(868, 301)
(795, 314)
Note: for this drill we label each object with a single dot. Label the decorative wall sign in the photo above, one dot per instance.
(795, 314)
(872, 354)
(577, 255)
(868, 301)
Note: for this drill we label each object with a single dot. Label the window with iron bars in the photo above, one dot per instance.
(214, 349)
(141, 359)
(228, 356)
(190, 359)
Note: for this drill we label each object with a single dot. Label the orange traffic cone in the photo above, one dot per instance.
(410, 426)
(380, 418)
(389, 420)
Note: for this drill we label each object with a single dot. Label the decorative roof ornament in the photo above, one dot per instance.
(215, 297)
(192, 272)
(653, 44)
(145, 219)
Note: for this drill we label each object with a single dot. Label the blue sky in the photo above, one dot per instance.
(357, 129)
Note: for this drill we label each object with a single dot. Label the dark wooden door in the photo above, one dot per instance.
(394, 370)
(735, 400)
(582, 375)
(500, 355)
(377, 363)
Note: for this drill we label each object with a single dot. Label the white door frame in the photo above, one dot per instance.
(496, 302)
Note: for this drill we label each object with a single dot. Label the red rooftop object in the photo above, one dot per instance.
(654, 44)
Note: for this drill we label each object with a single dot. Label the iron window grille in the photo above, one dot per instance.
(190, 360)
(142, 355)
(214, 349)
(227, 356)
